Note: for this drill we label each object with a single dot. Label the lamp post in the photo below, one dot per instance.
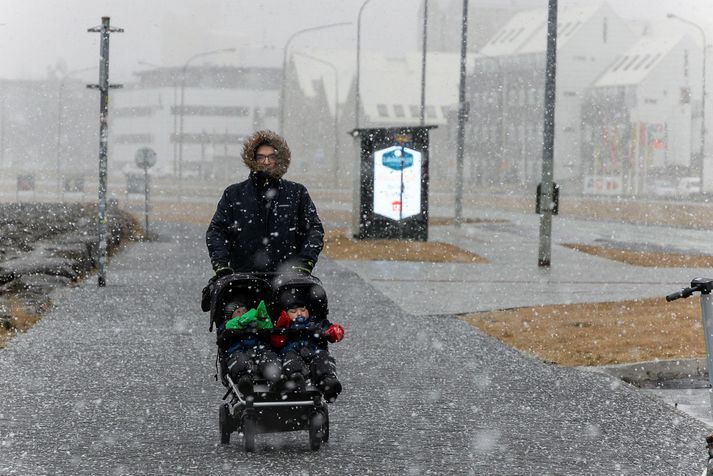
(703, 88)
(284, 65)
(423, 62)
(181, 110)
(358, 65)
(462, 113)
(60, 111)
(336, 109)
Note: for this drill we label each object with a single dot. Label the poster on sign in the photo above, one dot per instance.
(397, 182)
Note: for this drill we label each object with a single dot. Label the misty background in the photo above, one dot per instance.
(49, 119)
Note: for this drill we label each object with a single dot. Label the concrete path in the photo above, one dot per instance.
(119, 381)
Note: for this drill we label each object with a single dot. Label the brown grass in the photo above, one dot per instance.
(646, 258)
(600, 333)
(340, 247)
(21, 320)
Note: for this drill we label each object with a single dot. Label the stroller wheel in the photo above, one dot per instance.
(325, 423)
(224, 423)
(249, 432)
(316, 430)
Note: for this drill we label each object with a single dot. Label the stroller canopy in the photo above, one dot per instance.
(303, 288)
(248, 288)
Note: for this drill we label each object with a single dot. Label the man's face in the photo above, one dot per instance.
(265, 158)
(296, 312)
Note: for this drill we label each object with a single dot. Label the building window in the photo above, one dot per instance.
(135, 111)
(133, 139)
(415, 110)
(382, 110)
(685, 95)
(650, 101)
(653, 60)
(234, 111)
(399, 110)
(641, 63)
(620, 63)
(631, 63)
(430, 112)
(685, 63)
(570, 94)
(445, 111)
(605, 27)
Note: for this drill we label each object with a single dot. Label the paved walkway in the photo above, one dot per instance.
(513, 279)
(118, 381)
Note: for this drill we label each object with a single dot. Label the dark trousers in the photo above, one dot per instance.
(317, 364)
(260, 363)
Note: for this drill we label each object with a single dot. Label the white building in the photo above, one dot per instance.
(219, 107)
(642, 118)
(507, 90)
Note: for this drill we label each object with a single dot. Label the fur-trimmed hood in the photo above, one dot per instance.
(267, 137)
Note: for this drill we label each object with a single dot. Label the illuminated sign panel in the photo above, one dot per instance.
(397, 182)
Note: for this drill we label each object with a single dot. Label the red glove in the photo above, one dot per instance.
(334, 333)
(279, 341)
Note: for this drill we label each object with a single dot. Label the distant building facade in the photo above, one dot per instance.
(219, 106)
(49, 127)
(506, 91)
(640, 118)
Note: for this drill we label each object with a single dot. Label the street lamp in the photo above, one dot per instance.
(462, 112)
(60, 110)
(358, 64)
(703, 88)
(284, 66)
(423, 62)
(181, 110)
(336, 109)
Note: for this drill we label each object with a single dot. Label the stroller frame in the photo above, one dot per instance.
(263, 410)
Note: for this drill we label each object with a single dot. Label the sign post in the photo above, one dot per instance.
(391, 196)
(145, 159)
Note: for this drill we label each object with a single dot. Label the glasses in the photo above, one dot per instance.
(271, 157)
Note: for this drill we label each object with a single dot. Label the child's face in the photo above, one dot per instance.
(296, 312)
(239, 311)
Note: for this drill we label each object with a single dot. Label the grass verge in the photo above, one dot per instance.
(337, 245)
(600, 333)
(645, 258)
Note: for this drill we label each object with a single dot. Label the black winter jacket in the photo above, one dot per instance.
(264, 226)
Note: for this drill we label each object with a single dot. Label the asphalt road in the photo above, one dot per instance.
(119, 381)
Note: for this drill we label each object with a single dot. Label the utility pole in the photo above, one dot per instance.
(104, 30)
(423, 62)
(462, 113)
(547, 184)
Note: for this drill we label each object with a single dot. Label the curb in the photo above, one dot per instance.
(656, 370)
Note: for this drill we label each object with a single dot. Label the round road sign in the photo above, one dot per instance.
(145, 158)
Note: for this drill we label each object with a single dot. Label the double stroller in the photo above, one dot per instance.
(267, 409)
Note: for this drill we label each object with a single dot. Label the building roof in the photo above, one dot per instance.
(390, 87)
(516, 33)
(638, 61)
(570, 19)
(526, 32)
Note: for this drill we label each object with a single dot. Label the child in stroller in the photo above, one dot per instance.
(307, 355)
(263, 408)
(250, 356)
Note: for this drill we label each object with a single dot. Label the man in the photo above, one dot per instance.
(266, 223)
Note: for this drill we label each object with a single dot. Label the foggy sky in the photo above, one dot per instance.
(37, 35)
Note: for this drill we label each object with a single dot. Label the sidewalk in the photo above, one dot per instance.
(513, 279)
